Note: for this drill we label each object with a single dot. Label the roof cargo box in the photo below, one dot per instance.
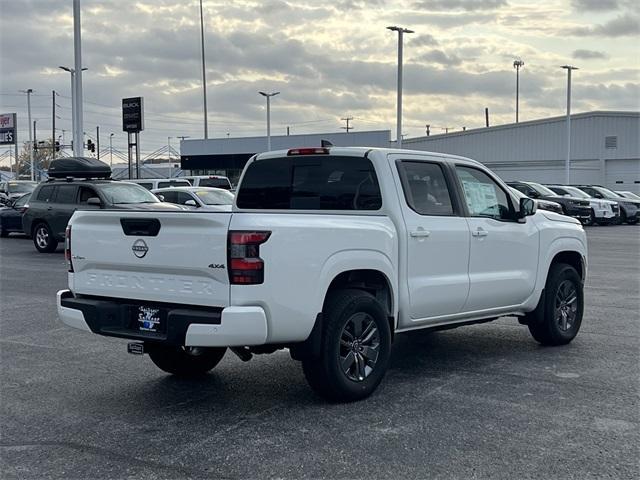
(78, 167)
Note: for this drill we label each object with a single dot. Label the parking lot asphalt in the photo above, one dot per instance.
(484, 401)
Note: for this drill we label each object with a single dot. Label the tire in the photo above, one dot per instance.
(355, 348)
(186, 361)
(632, 222)
(623, 217)
(3, 232)
(556, 327)
(593, 218)
(43, 238)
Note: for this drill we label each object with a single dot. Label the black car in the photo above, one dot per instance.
(629, 209)
(11, 215)
(52, 203)
(574, 207)
(14, 189)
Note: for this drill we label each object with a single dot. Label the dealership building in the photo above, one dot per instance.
(605, 149)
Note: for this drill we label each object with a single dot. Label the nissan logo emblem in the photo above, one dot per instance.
(140, 248)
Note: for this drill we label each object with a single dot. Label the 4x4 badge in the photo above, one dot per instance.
(140, 248)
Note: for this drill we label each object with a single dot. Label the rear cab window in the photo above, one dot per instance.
(318, 182)
(174, 183)
(215, 182)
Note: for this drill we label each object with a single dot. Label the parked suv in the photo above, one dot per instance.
(52, 203)
(603, 212)
(14, 189)
(216, 181)
(574, 207)
(628, 208)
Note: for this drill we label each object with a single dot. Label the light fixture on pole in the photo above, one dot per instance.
(111, 149)
(567, 163)
(517, 65)
(73, 106)
(401, 31)
(77, 56)
(268, 97)
(204, 75)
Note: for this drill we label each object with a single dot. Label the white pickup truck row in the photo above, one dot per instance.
(329, 252)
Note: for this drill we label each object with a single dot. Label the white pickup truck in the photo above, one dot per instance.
(329, 252)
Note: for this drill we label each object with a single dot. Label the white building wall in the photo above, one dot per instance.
(536, 150)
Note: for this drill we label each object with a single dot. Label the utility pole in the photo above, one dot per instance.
(428, 129)
(77, 77)
(29, 92)
(111, 149)
(567, 163)
(401, 31)
(204, 75)
(98, 141)
(486, 116)
(347, 128)
(53, 124)
(517, 65)
(33, 148)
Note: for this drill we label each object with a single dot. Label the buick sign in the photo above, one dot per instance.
(133, 114)
(140, 248)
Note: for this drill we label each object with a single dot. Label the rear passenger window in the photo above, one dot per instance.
(148, 186)
(45, 193)
(311, 183)
(66, 194)
(425, 188)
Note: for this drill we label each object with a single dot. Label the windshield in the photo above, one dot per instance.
(22, 187)
(542, 190)
(215, 182)
(122, 193)
(215, 197)
(607, 193)
(576, 192)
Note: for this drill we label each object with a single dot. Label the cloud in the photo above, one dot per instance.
(584, 54)
(468, 5)
(424, 40)
(594, 5)
(621, 26)
(439, 57)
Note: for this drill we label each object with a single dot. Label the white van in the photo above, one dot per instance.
(217, 181)
(153, 183)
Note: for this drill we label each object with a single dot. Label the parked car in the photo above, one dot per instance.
(155, 183)
(629, 195)
(11, 215)
(329, 252)
(629, 209)
(217, 181)
(572, 206)
(603, 212)
(14, 189)
(542, 204)
(54, 202)
(197, 197)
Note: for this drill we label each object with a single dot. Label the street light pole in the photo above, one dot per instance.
(29, 92)
(401, 31)
(268, 97)
(77, 50)
(74, 120)
(204, 75)
(517, 65)
(567, 163)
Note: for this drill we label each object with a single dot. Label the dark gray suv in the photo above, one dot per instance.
(52, 204)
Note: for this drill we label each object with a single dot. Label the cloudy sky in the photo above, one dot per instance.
(329, 59)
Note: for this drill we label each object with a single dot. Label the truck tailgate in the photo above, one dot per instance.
(120, 254)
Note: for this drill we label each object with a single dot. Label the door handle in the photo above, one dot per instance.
(480, 233)
(420, 233)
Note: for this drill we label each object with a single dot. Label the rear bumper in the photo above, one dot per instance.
(193, 327)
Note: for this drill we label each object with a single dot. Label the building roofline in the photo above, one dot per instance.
(261, 137)
(575, 116)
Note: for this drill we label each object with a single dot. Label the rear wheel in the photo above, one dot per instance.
(186, 361)
(355, 347)
(3, 232)
(562, 309)
(43, 238)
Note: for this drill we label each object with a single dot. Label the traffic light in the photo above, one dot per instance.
(57, 146)
(91, 146)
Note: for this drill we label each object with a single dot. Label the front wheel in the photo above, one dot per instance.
(186, 361)
(355, 347)
(43, 238)
(562, 309)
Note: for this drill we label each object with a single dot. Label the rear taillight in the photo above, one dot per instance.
(67, 247)
(244, 262)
